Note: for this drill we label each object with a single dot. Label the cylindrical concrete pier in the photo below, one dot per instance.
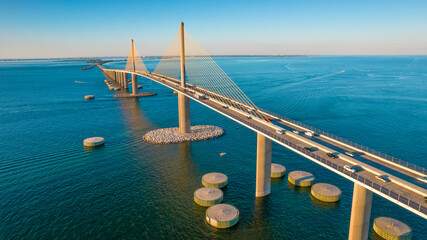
(360, 213)
(222, 215)
(134, 84)
(301, 178)
(263, 166)
(392, 229)
(277, 170)
(326, 192)
(93, 142)
(208, 196)
(215, 179)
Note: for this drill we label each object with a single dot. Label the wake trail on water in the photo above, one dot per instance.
(314, 78)
(83, 82)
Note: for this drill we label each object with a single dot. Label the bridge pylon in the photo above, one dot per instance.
(183, 101)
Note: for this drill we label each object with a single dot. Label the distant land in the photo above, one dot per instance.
(125, 57)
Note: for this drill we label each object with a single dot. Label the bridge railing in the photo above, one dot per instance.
(355, 145)
(379, 187)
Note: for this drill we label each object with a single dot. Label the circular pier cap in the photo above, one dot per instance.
(277, 170)
(93, 141)
(88, 97)
(208, 196)
(216, 180)
(222, 215)
(326, 192)
(392, 229)
(301, 178)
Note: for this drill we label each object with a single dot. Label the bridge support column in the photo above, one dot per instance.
(125, 80)
(360, 213)
(134, 84)
(184, 113)
(263, 166)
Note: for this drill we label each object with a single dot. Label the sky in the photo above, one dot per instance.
(86, 28)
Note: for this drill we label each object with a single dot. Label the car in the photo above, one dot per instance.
(382, 178)
(422, 179)
(267, 119)
(310, 134)
(224, 106)
(198, 96)
(310, 149)
(331, 155)
(295, 131)
(279, 131)
(248, 117)
(349, 154)
(349, 168)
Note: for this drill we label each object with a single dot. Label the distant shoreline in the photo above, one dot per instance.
(125, 57)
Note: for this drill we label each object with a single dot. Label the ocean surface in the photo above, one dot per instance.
(51, 187)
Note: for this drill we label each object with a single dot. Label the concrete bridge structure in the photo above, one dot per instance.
(271, 127)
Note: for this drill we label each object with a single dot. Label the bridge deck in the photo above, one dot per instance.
(400, 192)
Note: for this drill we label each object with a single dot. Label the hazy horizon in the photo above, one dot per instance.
(60, 29)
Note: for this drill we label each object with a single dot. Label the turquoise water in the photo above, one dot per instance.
(51, 187)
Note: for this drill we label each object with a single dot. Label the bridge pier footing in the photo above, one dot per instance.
(263, 166)
(360, 213)
(134, 84)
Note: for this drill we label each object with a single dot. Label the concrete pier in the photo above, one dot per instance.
(183, 101)
(125, 80)
(134, 84)
(263, 166)
(360, 213)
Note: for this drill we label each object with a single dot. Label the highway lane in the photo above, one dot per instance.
(336, 147)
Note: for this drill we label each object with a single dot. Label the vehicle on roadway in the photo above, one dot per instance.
(295, 131)
(349, 168)
(267, 119)
(349, 154)
(224, 106)
(422, 179)
(382, 178)
(331, 155)
(310, 149)
(280, 131)
(248, 117)
(310, 134)
(198, 96)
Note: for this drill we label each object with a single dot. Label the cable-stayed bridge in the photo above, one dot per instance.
(189, 70)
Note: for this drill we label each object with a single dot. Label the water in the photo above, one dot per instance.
(51, 187)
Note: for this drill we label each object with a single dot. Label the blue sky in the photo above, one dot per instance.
(44, 28)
